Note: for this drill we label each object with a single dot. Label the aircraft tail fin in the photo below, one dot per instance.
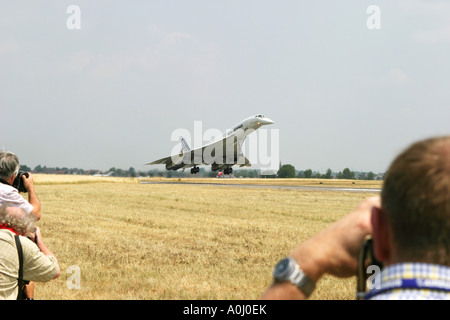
(185, 147)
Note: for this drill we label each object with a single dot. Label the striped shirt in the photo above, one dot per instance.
(37, 266)
(423, 272)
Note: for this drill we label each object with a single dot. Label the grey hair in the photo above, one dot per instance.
(9, 165)
(17, 219)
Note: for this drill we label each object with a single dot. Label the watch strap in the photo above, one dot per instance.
(297, 277)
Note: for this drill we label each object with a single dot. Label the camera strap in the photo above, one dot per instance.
(420, 283)
(4, 182)
(20, 279)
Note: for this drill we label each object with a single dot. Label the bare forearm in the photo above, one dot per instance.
(34, 201)
(45, 250)
(32, 197)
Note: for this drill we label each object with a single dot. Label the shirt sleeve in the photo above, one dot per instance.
(11, 197)
(37, 266)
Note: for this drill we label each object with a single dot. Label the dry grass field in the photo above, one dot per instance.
(175, 241)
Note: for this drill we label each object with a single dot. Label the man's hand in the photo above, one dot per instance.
(335, 250)
(341, 243)
(35, 235)
(28, 182)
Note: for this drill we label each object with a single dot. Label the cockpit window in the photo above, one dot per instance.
(260, 116)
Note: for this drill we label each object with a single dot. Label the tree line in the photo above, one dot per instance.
(288, 171)
(132, 172)
(285, 171)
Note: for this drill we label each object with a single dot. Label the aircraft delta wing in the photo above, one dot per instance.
(223, 153)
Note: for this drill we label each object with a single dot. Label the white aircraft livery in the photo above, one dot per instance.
(222, 153)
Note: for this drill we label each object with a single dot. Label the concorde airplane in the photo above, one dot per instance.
(222, 153)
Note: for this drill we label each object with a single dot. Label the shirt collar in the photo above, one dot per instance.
(413, 270)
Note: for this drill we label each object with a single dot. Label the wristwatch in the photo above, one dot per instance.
(287, 269)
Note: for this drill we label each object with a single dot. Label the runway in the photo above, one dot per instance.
(266, 186)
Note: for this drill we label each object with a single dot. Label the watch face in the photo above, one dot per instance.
(282, 269)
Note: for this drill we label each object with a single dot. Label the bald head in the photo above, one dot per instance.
(15, 212)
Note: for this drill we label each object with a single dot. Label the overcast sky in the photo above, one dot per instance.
(111, 93)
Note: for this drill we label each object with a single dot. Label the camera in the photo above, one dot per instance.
(366, 258)
(18, 181)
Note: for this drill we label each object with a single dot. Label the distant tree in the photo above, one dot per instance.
(132, 172)
(307, 173)
(286, 171)
(317, 175)
(371, 176)
(348, 174)
(328, 174)
(142, 174)
(25, 168)
(255, 173)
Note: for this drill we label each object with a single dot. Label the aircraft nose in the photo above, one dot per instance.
(267, 121)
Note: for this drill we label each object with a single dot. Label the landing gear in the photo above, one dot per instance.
(228, 171)
(195, 170)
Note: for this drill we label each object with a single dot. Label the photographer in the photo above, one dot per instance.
(9, 195)
(410, 227)
(38, 262)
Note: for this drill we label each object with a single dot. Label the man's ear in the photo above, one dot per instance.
(381, 235)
